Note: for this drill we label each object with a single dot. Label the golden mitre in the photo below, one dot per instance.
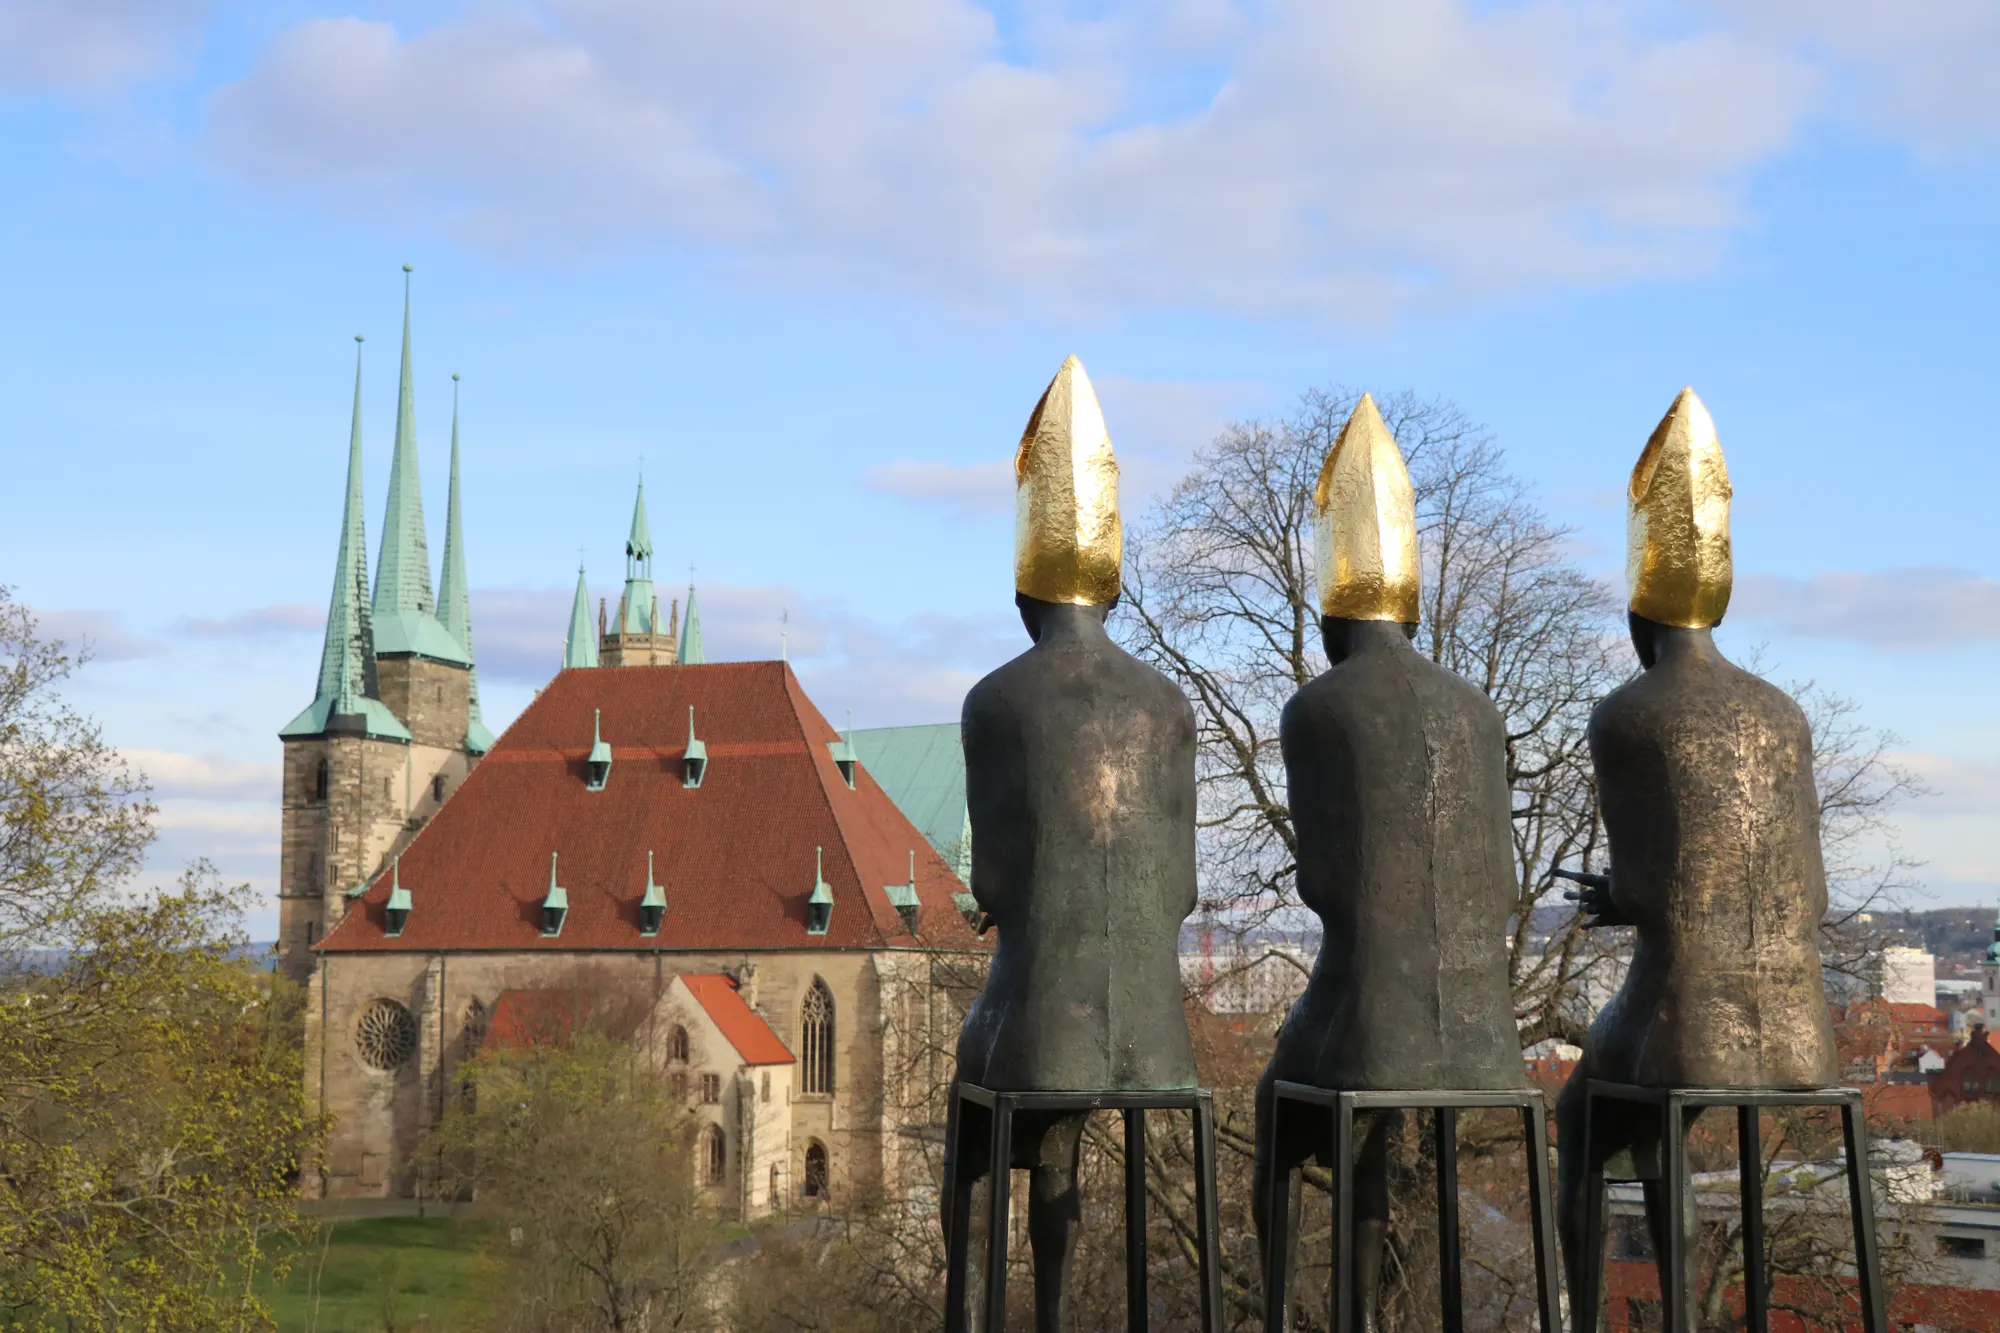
(1677, 565)
(1068, 542)
(1365, 525)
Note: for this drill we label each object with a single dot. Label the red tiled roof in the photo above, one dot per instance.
(734, 855)
(532, 1017)
(749, 1034)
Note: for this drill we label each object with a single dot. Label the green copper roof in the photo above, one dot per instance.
(690, 653)
(580, 649)
(639, 544)
(404, 611)
(923, 771)
(454, 606)
(636, 606)
(344, 699)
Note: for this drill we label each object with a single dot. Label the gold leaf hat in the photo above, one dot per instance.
(1365, 525)
(1068, 542)
(1677, 563)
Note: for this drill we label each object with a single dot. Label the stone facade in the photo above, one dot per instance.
(619, 646)
(432, 699)
(379, 1116)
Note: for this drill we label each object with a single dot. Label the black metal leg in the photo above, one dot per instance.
(1861, 1203)
(1277, 1222)
(1135, 1220)
(1673, 1275)
(997, 1221)
(957, 1215)
(1548, 1291)
(1451, 1291)
(1589, 1282)
(1343, 1216)
(1208, 1238)
(1750, 1178)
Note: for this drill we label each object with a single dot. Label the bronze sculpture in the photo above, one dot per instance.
(1398, 790)
(1080, 790)
(1705, 774)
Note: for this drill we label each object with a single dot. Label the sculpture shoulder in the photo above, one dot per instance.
(1040, 679)
(1368, 691)
(1703, 689)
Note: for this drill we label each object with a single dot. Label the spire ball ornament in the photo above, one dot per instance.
(1677, 560)
(1068, 542)
(1365, 525)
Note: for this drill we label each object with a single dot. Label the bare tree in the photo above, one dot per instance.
(1220, 595)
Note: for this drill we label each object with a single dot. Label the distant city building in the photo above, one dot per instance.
(1990, 981)
(1970, 1074)
(1909, 976)
(691, 842)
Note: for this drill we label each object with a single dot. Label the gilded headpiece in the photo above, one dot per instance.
(1067, 539)
(1677, 565)
(1365, 525)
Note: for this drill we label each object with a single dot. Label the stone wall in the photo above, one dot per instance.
(379, 1115)
(433, 699)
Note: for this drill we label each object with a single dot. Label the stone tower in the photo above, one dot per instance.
(394, 725)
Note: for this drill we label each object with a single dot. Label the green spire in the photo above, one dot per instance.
(580, 650)
(636, 616)
(346, 689)
(404, 612)
(454, 607)
(690, 650)
(639, 545)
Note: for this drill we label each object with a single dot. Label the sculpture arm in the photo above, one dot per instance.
(1594, 898)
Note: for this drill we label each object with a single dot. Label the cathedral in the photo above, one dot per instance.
(691, 841)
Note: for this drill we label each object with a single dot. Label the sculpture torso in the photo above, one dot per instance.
(1398, 787)
(1081, 795)
(1706, 778)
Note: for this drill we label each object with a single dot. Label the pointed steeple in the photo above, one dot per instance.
(690, 650)
(635, 614)
(580, 650)
(405, 612)
(454, 606)
(345, 697)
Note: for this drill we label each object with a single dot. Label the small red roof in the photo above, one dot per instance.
(734, 855)
(535, 1017)
(741, 1026)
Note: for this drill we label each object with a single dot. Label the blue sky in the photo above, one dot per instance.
(814, 262)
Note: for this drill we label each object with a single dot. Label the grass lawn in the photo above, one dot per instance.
(386, 1275)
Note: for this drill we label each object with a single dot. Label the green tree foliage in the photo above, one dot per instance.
(583, 1151)
(152, 1115)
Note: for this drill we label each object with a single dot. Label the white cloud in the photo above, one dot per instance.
(1914, 608)
(965, 488)
(1339, 158)
(259, 622)
(92, 46)
(97, 633)
(206, 776)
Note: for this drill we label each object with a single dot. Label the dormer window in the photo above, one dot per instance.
(845, 757)
(397, 911)
(695, 760)
(555, 904)
(819, 907)
(652, 907)
(903, 897)
(597, 768)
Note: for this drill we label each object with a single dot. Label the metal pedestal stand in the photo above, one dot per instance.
(1673, 1105)
(976, 1110)
(1298, 1099)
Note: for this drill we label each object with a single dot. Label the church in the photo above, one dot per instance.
(693, 837)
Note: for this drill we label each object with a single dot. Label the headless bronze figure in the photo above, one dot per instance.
(1080, 790)
(1398, 790)
(1705, 774)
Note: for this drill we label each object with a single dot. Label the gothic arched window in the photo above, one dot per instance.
(816, 1040)
(677, 1045)
(816, 1170)
(718, 1155)
(322, 779)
